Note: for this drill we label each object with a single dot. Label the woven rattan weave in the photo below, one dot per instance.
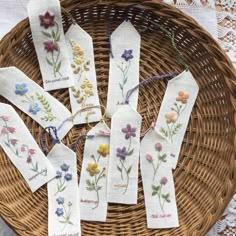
(205, 176)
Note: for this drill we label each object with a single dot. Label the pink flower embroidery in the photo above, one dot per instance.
(22, 149)
(5, 118)
(149, 157)
(47, 20)
(170, 117)
(32, 151)
(13, 141)
(11, 130)
(183, 97)
(49, 46)
(164, 181)
(3, 131)
(129, 131)
(29, 160)
(158, 147)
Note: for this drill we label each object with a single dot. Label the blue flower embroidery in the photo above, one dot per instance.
(58, 174)
(68, 177)
(59, 212)
(34, 108)
(65, 167)
(21, 88)
(60, 200)
(127, 55)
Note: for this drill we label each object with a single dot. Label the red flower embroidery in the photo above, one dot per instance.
(47, 20)
(29, 160)
(22, 149)
(3, 131)
(32, 151)
(11, 130)
(49, 46)
(14, 141)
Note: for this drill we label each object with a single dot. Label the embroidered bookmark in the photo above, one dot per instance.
(158, 185)
(93, 180)
(175, 110)
(124, 156)
(49, 41)
(124, 66)
(63, 192)
(84, 93)
(33, 100)
(23, 151)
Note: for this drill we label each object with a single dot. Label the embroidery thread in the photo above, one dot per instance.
(51, 45)
(24, 151)
(63, 212)
(35, 101)
(160, 158)
(124, 68)
(94, 171)
(124, 152)
(173, 116)
(63, 177)
(157, 190)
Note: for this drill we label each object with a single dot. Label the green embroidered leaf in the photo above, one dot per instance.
(58, 66)
(69, 222)
(99, 187)
(7, 144)
(168, 200)
(90, 188)
(49, 62)
(46, 34)
(62, 221)
(63, 189)
(57, 39)
(53, 34)
(125, 80)
(130, 152)
(36, 166)
(155, 188)
(119, 168)
(121, 86)
(88, 182)
(154, 193)
(163, 131)
(128, 171)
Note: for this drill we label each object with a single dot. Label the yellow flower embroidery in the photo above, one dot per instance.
(103, 150)
(93, 169)
(87, 87)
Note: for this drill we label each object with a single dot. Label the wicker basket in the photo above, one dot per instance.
(205, 177)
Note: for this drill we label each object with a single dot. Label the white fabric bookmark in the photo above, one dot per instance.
(63, 193)
(50, 45)
(124, 156)
(124, 66)
(29, 97)
(159, 191)
(175, 110)
(93, 180)
(84, 93)
(23, 151)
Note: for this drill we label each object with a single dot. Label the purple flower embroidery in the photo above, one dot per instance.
(47, 20)
(49, 46)
(127, 54)
(122, 153)
(129, 131)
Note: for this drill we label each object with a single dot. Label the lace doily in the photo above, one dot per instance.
(226, 19)
(227, 225)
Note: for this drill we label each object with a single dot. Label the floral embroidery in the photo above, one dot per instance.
(124, 152)
(24, 151)
(34, 102)
(124, 68)
(95, 172)
(160, 158)
(157, 190)
(63, 177)
(51, 44)
(81, 67)
(63, 212)
(173, 116)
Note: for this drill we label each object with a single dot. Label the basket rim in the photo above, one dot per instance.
(16, 34)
